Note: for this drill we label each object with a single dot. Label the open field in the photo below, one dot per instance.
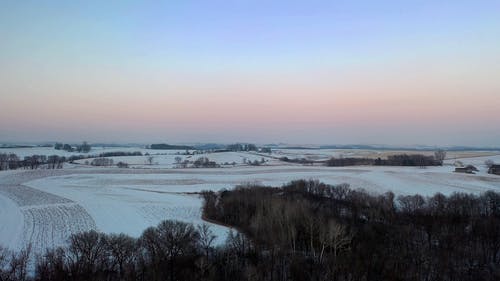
(43, 207)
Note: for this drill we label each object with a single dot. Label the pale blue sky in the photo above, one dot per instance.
(66, 58)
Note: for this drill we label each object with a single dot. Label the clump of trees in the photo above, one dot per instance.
(265, 150)
(204, 162)
(120, 153)
(410, 160)
(122, 164)
(303, 161)
(242, 147)
(170, 146)
(55, 162)
(440, 155)
(255, 162)
(61, 146)
(11, 162)
(83, 148)
(349, 161)
(418, 160)
(102, 161)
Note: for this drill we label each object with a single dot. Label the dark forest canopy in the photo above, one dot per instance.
(170, 146)
(417, 160)
(336, 233)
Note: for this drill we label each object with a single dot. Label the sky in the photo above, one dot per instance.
(303, 72)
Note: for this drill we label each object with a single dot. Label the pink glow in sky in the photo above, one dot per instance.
(144, 74)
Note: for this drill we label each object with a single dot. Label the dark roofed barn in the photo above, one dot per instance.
(494, 169)
(467, 170)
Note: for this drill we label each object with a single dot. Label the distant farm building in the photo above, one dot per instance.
(469, 169)
(494, 169)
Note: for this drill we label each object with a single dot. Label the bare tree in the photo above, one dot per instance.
(18, 265)
(4, 260)
(207, 238)
(440, 155)
(122, 249)
(489, 163)
(178, 159)
(4, 161)
(87, 250)
(336, 237)
(167, 242)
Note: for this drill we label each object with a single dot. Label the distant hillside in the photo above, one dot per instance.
(169, 146)
(15, 146)
(415, 148)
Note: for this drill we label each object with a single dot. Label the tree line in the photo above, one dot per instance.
(201, 162)
(10, 161)
(241, 147)
(170, 146)
(172, 250)
(83, 148)
(418, 160)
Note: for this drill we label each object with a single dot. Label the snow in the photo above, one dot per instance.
(11, 223)
(28, 151)
(324, 154)
(125, 209)
(162, 161)
(44, 207)
(49, 226)
(310, 154)
(478, 162)
(31, 216)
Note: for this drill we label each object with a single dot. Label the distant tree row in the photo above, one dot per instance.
(120, 153)
(170, 146)
(265, 150)
(12, 161)
(242, 147)
(83, 148)
(303, 161)
(349, 161)
(202, 162)
(255, 162)
(418, 160)
(102, 161)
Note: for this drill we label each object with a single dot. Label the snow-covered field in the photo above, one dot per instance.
(324, 154)
(160, 161)
(28, 151)
(43, 207)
